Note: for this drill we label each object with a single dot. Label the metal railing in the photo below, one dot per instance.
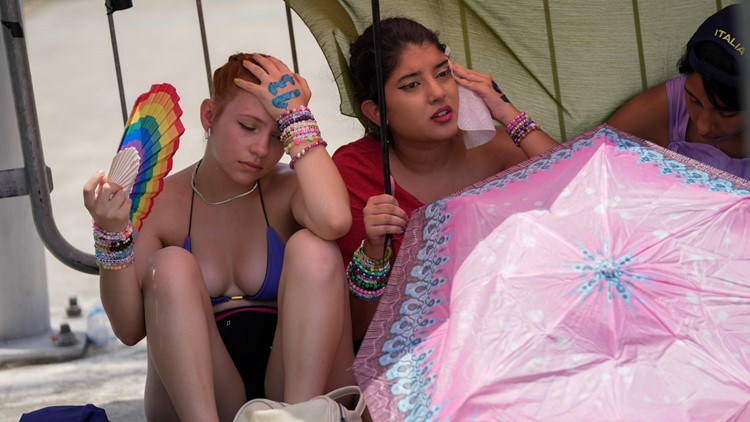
(34, 179)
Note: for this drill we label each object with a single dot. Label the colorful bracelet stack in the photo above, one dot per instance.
(519, 127)
(114, 250)
(298, 126)
(368, 277)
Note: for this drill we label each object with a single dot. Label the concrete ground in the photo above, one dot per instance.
(77, 100)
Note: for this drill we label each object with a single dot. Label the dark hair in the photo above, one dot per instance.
(223, 80)
(396, 34)
(717, 57)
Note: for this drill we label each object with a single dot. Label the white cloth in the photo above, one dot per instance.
(474, 118)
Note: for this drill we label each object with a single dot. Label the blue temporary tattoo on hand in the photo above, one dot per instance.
(500, 91)
(273, 87)
(281, 100)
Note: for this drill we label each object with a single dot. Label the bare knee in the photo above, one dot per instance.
(171, 270)
(313, 261)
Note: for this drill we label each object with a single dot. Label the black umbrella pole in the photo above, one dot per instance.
(745, 69)
(381, 94)
(381, 103)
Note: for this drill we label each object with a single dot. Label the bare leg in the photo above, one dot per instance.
(190, 370)
(312, 351)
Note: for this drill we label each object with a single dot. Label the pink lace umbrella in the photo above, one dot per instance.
(608, 279)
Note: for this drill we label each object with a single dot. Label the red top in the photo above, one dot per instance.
(361, 166)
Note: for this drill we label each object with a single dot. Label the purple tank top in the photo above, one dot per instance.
(678, 122)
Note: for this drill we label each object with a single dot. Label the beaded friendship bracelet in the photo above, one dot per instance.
(318, 143)
(114, 250)
(519, 127)
(367, 277)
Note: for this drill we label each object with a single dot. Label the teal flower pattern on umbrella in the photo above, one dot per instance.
(604, 272)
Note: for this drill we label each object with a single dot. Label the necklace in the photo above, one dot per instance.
(224, 201)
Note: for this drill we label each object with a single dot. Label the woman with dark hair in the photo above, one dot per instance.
(430, 158)
(234, 278)
(699, 113)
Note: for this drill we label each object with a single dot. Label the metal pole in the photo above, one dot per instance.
(33, 157)
(292, 43)
(113, 37)
(202, 25)
(24, 302)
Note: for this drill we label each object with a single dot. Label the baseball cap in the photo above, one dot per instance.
(721, 29)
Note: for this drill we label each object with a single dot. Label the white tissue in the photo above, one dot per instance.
(474, 118)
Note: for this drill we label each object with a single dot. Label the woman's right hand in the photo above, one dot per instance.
(280, 89)
(108, 204)
(382, 216)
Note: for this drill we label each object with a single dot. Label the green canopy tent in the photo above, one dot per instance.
(570, 63)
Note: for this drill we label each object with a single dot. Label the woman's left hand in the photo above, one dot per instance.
(482, 84)
(279, 89)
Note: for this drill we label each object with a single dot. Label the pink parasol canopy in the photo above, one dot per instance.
(607, 279)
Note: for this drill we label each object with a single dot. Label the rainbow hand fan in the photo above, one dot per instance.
(154, 131)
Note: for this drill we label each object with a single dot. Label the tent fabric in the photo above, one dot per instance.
(568, 64)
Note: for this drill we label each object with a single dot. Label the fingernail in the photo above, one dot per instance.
(403, 229)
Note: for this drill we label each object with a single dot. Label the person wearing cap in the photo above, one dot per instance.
(699, 113)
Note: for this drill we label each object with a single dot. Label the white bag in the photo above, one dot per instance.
(323, 408)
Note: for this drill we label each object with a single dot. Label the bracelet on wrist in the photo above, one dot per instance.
(297, 114)
(296, 157)
(367, 277)
(113, 250)
(519, 127)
